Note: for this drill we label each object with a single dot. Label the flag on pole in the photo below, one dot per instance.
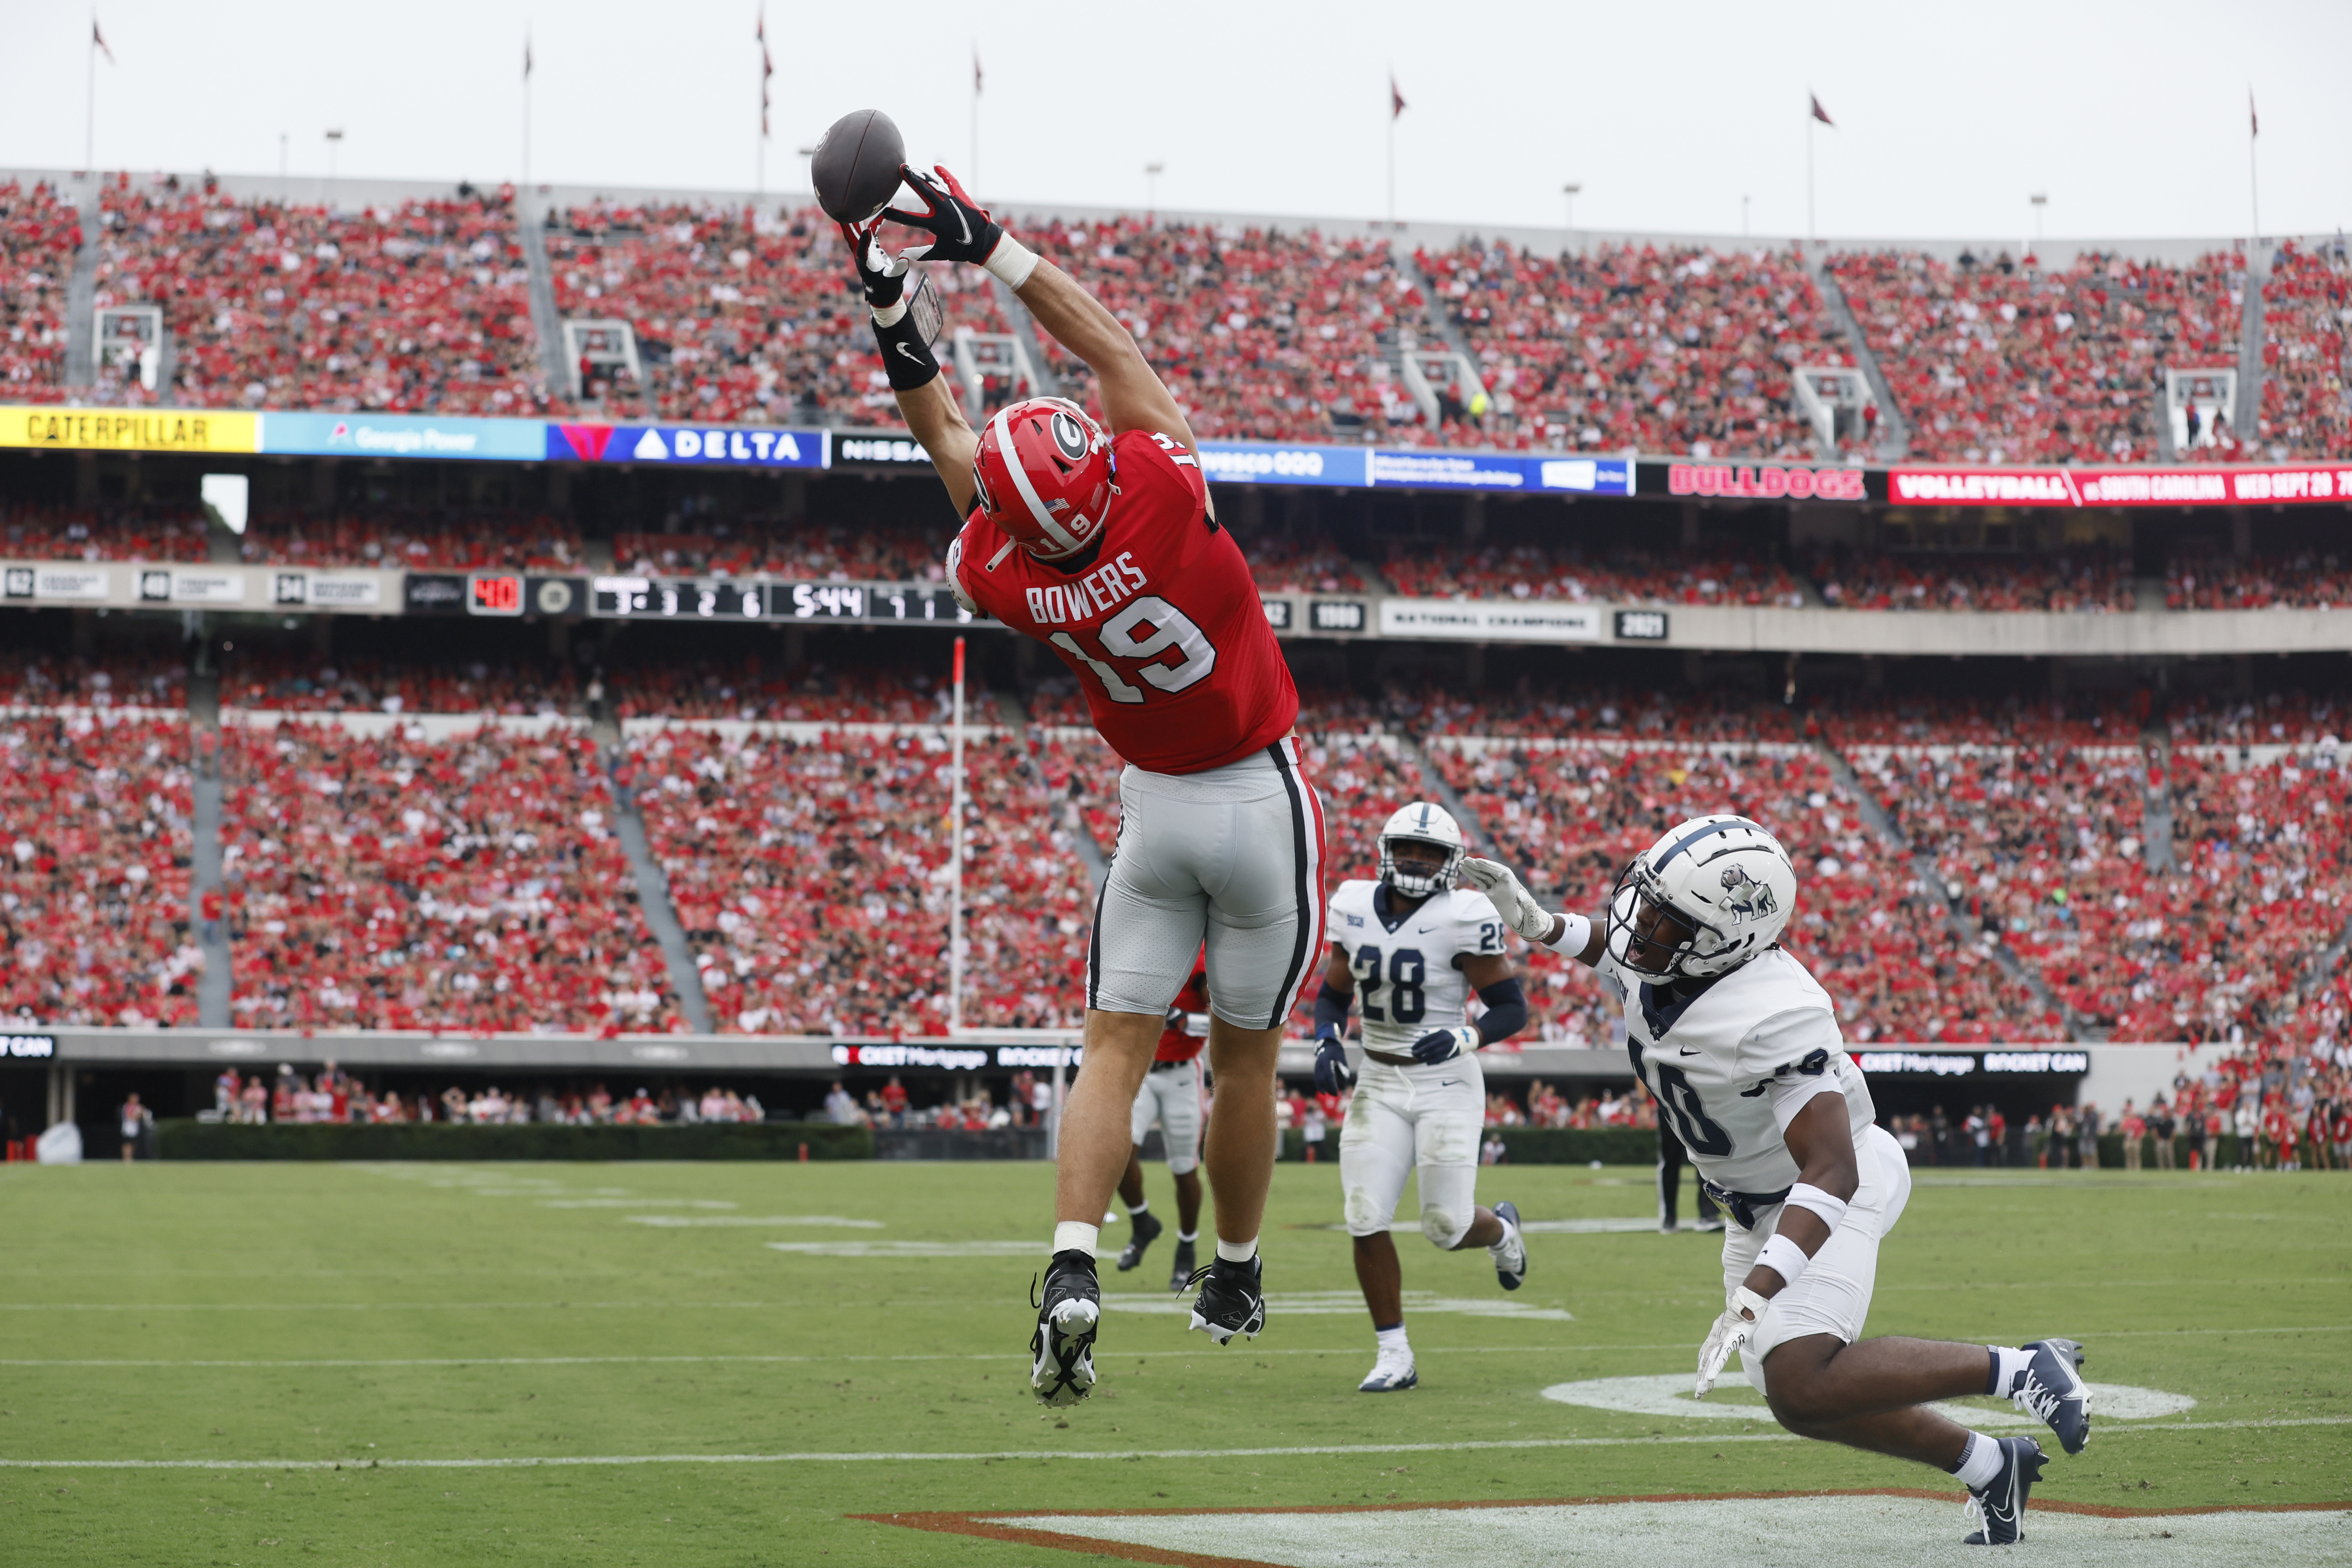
(2253, 120)
(526, 57)
(99, 39)
(975, 70)
(1396, 98)
(1821, 114)
(766, 69)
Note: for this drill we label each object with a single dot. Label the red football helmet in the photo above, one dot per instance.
(1043, 472)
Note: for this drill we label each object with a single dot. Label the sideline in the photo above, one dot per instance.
(557, 1462)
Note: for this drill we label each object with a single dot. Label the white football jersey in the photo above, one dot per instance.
(1717, 1061)
(1406, 984)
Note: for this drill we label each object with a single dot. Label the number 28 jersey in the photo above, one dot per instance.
(1720, 1055)
(1406, 984)
(1163, 626)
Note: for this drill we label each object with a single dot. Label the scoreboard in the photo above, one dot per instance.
(733, 599)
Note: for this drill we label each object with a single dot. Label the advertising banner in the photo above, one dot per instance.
(691, 446)
(1251, 463)
(328, 589)
(1763, 481)
(1533, 622)
(402, 435)
(66, 583)
(128, 430)
(2119, 487)
(192, 585)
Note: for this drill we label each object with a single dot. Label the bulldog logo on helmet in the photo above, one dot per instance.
(1744, 896)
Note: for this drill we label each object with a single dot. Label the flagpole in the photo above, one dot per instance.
(89, 102)
(975, 111)
(526, 112)
(1809, 175)
(2253, 173)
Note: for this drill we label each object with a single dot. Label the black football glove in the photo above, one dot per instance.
(960, 227)
(1444, 1044)
(1175, 1018)
(882, 276)
(1332, 1073)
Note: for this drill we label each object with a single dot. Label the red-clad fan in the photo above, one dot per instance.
(1098, 540)
(1175, 1094)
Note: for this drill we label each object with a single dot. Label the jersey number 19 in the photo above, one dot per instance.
(1171, 629)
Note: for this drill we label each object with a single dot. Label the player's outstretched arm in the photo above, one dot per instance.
(1133, 396)
(1582, 939)
(933, 415)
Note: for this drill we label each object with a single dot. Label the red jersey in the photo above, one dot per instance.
(1175, 1045)
(1162, 625)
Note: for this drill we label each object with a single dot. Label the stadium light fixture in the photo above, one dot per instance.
(225, 497)
(334, 145)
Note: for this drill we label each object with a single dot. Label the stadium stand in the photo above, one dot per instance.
(1628, 574)
(393, 882)
(1864, 580)
(33, 532)
(294, 683)
(2308, 579)
(810, 872)
(96, 836)
(30, 680)
(434, 542)
(2306, 317)
(422, 306)
(811, 694)
(39, 233)
(1673, 348)
(753, 547)
(1997, 363)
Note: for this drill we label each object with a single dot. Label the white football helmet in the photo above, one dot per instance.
(1725, 880)
(1422, 822)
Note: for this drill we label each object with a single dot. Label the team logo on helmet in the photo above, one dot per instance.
(1744, 896)
(1069, 436)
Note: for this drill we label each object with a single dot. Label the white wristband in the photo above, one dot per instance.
(891, 315)
(1575, 934)
(1830, 1209)
(1784, 1257)
(1011, 261)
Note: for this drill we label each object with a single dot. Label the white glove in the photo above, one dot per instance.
(1510, 897)
(1731, 1331)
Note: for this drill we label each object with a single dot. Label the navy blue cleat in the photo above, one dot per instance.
(2052, 1389)
(1998, 1508)
(1147, 1230)
(1510, 1254)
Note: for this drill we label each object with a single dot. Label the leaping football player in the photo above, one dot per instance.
(1413, 947)
(1739, 1045)
(1171, 1095)
(1098, 540)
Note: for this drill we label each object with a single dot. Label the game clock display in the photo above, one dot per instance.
(708, 599)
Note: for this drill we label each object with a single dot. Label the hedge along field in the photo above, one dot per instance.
(608, 1364)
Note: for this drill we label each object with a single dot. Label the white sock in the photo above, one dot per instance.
(1135, 1209)
(2011, 1365)
(1075, 1235)
(1188, 1237)
(1237, 1251)
(1392, 1340)
(1979, 1462)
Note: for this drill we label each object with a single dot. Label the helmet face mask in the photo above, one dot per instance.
(1432, 842)
(1713, 894)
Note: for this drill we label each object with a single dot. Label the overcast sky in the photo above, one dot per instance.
(2132, 117)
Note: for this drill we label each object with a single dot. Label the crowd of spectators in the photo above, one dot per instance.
(29, 531)
(440, 541)
(805, 694)
(813, 878)
(1674, 348)
(333, 1094)
(2000, 361)
(399, 882)
(2306, 318)
(839, 553)
(121, 680)
(295, 682)
(95, 843)
(1302, 563)
(40, 231)
(2092, 583)
(2307, 579)
(415, 307)
(1627, 574)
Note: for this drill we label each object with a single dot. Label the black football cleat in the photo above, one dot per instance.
(1231, 1302)
(1510, 1254)
(2051, 1388)
(1998, 1507)
(1181, 1267)
(1063, 1345)
(1147, 1230)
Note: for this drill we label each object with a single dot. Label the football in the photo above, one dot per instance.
(856, 166)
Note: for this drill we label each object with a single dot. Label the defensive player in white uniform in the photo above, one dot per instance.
(1740, 1047)
(1414, 947)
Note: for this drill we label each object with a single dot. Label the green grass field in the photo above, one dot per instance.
(299, 1316)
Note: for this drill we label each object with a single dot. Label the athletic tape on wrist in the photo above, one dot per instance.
(1575, 934)
(1011, 261)
(1784, 1257)
(1832, 1209)
(891, 315)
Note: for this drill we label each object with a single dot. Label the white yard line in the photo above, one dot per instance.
(908, 1456)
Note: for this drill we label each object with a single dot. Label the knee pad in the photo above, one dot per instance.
(1362, 1213)
(1443, 1228)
